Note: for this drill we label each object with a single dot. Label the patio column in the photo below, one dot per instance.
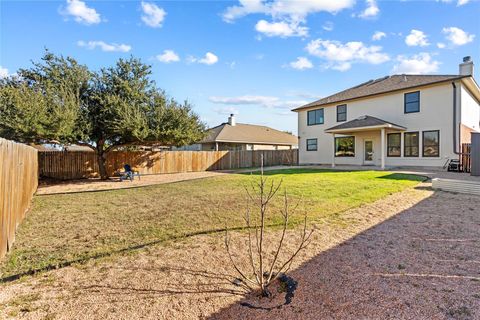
(333, 151)
(382, 138)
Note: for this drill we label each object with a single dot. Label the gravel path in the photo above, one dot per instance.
(412, 255)
(423, 263)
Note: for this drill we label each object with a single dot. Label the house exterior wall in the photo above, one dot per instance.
(222, 146)
(470, 115)
(436, 113)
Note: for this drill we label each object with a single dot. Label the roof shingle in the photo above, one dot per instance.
(362, 122)
(249, 133)
(382, 85)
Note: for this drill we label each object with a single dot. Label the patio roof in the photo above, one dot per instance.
(364, 123)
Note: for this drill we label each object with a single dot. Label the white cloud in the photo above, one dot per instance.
(459, 2)
(262, 101)
(208, 59)
(457, 36)
(107, 47)
(244, 100)
(81, 13)
(328, 26)
(296, 10)
(371, 11)
(281, 29)
(153, 15)
(421, 63)
(301, 63)
(168, 56)
(441, 45)
(340, 56)
(416, 38)
(228, 110)
(288, 17)
(378, 35)
(3, 72)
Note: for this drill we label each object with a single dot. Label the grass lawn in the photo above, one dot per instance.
(63, 228)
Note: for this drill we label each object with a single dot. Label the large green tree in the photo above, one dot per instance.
(60, 101)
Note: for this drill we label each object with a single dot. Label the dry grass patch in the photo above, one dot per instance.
(75, 227)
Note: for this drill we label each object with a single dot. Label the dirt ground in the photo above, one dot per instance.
(54, 187)
(412, 255)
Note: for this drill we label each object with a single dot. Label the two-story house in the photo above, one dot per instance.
(398, 120)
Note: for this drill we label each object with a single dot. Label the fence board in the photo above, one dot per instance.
(465, 157)
(18, 183)
(67, 165)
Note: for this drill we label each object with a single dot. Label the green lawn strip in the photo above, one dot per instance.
(73, 227)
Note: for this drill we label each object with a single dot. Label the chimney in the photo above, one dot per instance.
(466, 68)
(231, 120)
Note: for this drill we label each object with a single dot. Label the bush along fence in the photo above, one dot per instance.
(67, 165)
(18, 183)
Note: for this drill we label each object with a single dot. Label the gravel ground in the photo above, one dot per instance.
(423, 263)
(412, 255)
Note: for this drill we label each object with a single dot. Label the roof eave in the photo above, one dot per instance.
(255, 142)
(366, 128)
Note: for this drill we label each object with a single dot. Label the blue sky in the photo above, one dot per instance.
(257, 58)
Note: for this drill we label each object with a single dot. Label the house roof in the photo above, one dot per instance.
(364, 123)
(75, 147)
(382, 85)
(249, 133)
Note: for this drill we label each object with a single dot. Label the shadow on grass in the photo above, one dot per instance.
(294, 171)
(128, 249)
(86, 258)
(405, 176)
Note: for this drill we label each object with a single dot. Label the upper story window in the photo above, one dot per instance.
(412, 102)
(342, 113)
(315, 117)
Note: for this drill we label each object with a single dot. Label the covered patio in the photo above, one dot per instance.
(373, 132)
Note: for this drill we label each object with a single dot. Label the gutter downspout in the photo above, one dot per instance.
(455, 142)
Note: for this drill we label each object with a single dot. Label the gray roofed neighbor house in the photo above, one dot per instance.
(365, 122)
(249, 133)
(382, 85)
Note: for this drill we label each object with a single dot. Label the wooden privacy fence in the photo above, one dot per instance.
(465, 157)
(68, 165)
(18, 183)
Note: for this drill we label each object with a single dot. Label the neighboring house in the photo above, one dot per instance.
(75, 147)
(399, 120)
(240, 136)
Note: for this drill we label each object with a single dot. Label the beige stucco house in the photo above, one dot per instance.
(240, 136)
(399, 120)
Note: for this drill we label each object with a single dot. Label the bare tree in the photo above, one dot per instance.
(264, 269)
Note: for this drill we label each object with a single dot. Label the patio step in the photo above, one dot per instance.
(460, 186)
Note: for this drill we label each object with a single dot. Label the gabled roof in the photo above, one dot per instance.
(249, 133)
(364, 122)
(382, 85)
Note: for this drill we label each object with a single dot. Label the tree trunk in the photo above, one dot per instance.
(101, 161)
